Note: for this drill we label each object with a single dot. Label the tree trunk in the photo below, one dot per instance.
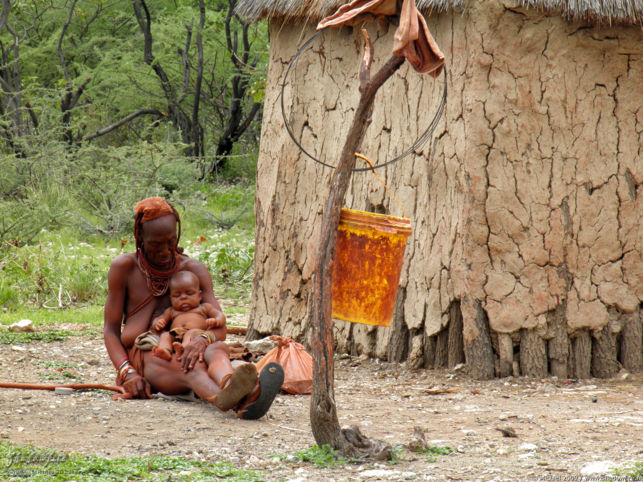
(533, 354)
(506, 354)
(398, 346)
(429, 351)
(631, 340)
(441, 349)
(604, 361)
(477, 341)
(558, 345)
(581, 362)
(455, 344)
(323, 414)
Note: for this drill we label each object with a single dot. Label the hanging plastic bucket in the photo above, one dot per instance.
(367, 266)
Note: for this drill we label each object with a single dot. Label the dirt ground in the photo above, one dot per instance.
(564, 429)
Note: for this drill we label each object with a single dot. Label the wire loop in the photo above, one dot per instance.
(420, 141)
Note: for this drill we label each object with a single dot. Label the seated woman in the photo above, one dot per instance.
(138, 292)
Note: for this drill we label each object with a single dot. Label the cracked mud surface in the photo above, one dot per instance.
(561, 427)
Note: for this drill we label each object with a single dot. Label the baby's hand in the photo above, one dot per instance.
(212, 323)
(158, 323)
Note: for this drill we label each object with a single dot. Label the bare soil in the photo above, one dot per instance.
(564, 429)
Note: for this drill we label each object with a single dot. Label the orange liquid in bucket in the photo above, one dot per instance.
(367, 266)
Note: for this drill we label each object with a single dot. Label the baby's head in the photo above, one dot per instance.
(185, 291)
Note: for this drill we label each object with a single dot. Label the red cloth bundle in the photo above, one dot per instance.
(296, 362)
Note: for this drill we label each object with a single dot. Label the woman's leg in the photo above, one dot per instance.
(217, 357)
(168, 377)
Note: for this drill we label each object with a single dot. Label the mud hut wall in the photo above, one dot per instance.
(554, 112)
(291, 189)
(526, 205)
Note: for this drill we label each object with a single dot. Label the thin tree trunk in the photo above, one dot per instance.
(582, 355)
(631, 341)
(604, 361)
(477, 340)
(323, 414)
(506, 354)
(533, 354)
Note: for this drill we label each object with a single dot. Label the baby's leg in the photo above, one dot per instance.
(164, 348)
(187, 338)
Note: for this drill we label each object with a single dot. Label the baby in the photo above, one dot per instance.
(190, 318)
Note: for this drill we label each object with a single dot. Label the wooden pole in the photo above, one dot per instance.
(323, 414)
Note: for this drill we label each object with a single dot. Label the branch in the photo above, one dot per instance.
(32, 115)
(63, 64)
(4, 14)
(74, 99)
(249, 118)
(199, 78)
(124, 120)
(186, 62)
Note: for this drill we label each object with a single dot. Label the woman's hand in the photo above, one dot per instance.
(193, 353)
(136, 385)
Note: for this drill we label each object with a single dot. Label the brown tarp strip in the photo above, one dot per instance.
(412, 37)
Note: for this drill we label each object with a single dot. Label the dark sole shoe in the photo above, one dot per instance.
(242, 381)
(270, 380)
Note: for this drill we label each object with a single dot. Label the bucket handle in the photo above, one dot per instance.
(361, 156)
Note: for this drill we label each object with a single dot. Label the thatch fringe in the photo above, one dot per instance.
(594, 11)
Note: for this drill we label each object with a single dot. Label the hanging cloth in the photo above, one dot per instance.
(412, 37)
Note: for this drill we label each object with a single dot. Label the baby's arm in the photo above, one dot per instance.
(161, 322)
(214, 318)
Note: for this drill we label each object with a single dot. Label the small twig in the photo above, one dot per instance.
(288, 428)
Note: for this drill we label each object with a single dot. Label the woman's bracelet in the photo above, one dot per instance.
(122, 363)
(209, 337)
(124, 369)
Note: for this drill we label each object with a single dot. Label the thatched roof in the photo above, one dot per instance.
(596, 11)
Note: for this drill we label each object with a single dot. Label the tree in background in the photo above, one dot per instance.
(102, 102)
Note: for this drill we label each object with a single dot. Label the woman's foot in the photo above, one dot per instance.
(240, 384)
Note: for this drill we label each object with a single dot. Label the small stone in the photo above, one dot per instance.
(260, 346)
(528, 447)
(598, 467)
(507, 431)
(18, 348)
(22, 326)
(594, 399)
(63, 391)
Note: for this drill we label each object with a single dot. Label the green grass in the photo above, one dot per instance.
(633, 472)
(58, 371)
(10, 338)
(33, 463)
(396, 455)
(322, 457)
(91, 315)
(68, 268)
(433, 450)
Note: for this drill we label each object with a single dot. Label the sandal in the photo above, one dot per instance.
(270, 380)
